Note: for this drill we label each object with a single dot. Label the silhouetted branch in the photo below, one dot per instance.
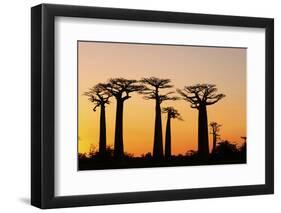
(98, 95)
(200, 94)
(172, 112)
(121, 88)
(157, 82)
(151, 88)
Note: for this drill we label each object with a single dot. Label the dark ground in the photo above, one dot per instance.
(93, 164)
(225, 154)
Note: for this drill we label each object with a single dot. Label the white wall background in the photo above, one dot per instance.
(15, 105)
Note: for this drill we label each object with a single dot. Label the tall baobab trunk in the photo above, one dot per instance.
(214, 143)
(118, 142)
(102, 142)
(168, 138)
(203, 140)
(158, 140)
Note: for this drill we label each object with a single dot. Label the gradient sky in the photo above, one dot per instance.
(184, 65)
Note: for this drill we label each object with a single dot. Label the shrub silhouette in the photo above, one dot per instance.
(243, 148)
(82, 156)
(226, 150)
(147, 156)
(190, 153)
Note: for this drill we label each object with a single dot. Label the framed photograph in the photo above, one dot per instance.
(140, 106)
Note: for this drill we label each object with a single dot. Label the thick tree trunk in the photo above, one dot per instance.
(158, 140)
(118, 142)
(102, 142)
(203, 141)
(168, 139)
(214, 143)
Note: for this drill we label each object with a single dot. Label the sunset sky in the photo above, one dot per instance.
(184, 65)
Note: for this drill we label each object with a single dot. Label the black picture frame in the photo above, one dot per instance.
(43, 111)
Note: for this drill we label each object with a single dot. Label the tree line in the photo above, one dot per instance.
(199, 96)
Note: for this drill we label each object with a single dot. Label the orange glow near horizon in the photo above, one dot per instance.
(185, 66)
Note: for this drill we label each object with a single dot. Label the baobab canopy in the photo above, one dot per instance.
(199, 94)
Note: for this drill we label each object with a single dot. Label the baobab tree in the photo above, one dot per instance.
(215, 128)
(200, 96)
(172, 113)
(120, 88)
(151, 89)
(100, 97)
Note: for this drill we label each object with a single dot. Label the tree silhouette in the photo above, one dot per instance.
(200, 96)
(120, 88)
(99, 97)
(215, 128)
(172, 113)
(152, 86)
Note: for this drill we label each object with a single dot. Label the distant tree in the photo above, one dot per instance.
(172, 113)
(99, 97)
(120, 88)
(243, 147)
(152, 86)
(200, 96)
(215, 128)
